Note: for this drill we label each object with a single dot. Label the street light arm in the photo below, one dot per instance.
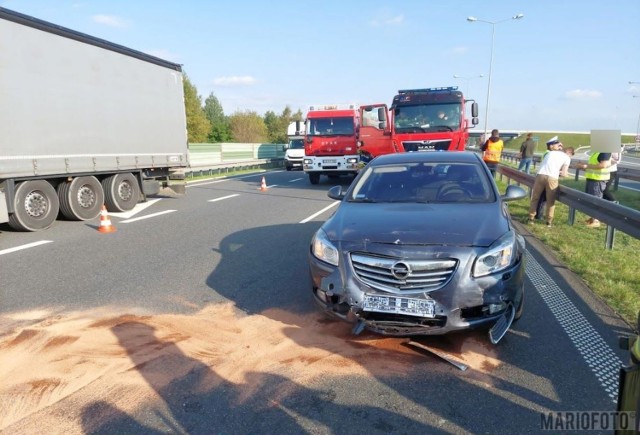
(515, 17)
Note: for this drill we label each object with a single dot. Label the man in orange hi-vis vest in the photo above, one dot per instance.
(492, 150)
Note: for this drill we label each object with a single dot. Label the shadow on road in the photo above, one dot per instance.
(192, 398)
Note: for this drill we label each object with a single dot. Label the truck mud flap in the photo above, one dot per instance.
(4, 212)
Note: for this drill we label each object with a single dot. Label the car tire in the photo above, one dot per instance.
(314, 178)
(520, 308)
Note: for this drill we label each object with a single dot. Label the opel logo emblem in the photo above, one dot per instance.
(400, 270)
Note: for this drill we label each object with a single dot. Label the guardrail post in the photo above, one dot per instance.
(611, 232)
(577, 178)
(572, 216)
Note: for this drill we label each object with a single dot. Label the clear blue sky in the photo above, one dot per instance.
(566, 66)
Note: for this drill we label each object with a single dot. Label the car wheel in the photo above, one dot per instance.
(520, 308)
(314, 178)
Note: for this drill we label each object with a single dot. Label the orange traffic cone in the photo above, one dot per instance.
(263, 185)
(105, 222)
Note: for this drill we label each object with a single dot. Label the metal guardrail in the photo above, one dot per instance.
(616, 216)
(624, 171)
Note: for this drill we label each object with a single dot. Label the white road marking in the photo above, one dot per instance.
(27, 246)
(204, 183)
(223, 197)
(320, 212)
(137, 209)
(146, 216)
(599, 356)
(296, 179)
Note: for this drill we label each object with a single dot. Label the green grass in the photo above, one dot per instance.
(575, 140)
(614, 274)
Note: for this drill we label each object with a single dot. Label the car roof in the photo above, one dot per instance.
(428, 157)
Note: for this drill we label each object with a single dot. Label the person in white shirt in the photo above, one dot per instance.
(555, 164)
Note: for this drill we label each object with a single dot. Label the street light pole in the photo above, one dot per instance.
(468, 79)
(638, 124)
(493, 31)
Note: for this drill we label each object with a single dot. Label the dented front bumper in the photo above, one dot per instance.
(464, 302)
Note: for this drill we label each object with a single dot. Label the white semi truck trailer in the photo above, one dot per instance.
(83, 122)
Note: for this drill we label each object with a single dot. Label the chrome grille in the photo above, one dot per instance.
(389, 274)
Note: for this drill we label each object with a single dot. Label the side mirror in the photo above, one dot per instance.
(474, 110)
(284, 147)
(336, 193)
(475, 121)
(513, 193)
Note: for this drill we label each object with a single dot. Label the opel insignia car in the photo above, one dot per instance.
(422, 243)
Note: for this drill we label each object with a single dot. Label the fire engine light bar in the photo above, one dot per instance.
(333, 107)
(446, 89)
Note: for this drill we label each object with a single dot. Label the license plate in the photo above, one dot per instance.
(398, 305)
(329, 161)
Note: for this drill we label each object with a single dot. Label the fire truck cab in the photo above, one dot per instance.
(330, 147)
(431, 119)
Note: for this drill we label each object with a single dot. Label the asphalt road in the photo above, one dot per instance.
(228, 241)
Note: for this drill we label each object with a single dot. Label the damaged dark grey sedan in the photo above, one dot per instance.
(421, 244)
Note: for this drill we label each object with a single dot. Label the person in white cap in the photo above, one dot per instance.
(555, 164)
(553, 144)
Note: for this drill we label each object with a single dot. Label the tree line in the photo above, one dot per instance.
(208, 123)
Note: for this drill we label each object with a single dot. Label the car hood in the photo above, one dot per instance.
(478, 224)
(298, 152)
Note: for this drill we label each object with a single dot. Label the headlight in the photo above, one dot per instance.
(307, 161)
(499, 257)
(323, 249)
(352, 160)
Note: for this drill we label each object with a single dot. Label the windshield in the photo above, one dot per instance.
(296, 144)
(330, 126)
(423, 183)
(427, 117)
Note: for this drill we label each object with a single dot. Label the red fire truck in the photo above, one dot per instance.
(431, 119)
(330, 147)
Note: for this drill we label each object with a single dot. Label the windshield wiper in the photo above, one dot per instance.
(363, 200)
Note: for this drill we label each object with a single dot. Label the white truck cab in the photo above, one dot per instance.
(294, 149)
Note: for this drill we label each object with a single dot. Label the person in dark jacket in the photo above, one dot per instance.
(527, 149)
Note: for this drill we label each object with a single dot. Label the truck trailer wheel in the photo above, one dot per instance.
(81, 198)
(121, 192)
(36, 206)
(314, 178)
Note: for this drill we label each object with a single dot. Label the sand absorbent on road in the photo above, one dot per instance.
(57, 368)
